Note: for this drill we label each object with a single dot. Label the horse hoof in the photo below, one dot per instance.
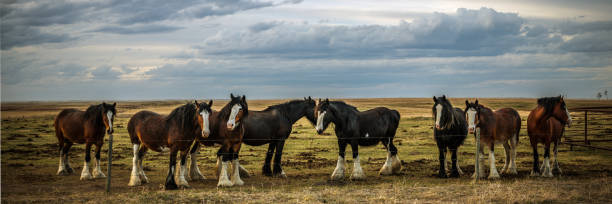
(533, 173)
(134, 182)
(184, 185)
(238, 183)
(224, 184)
(337, 177)
(63, 173)
(171, 186)
(86, 177)
(70, 170)
(454, 174)
(357, 177)
(97, 175)
(442, 175)
(493, 177)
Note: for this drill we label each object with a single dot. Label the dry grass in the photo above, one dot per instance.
(29, 163)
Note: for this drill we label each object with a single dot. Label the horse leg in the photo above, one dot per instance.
(506, 167)
(454, 171)
(85, 175)
(513, 144)
(141, 173)
(225, 152)
(182, 182)
(339, 171)
(62, 161)
(194, 171)
(97, 172)
(547, 170)
(67, 146)
(135, 177)
(396, 163)
(357, 171)
(278, 170)
(236, 166)
(493, 174)
(556, 168)
(267, 170)
(441, 158)
(219, 162)
(170, 182)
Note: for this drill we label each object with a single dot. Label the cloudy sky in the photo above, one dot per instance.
(159, 49)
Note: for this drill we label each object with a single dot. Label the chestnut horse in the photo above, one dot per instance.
(366, 128)
(546, 124)
(228, 130)
(175, 132)
(89, 127)
(500, 126)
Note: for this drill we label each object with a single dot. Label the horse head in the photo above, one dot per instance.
(108, 116)
(239, 110)
(204, 111)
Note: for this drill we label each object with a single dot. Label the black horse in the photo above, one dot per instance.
(272, 126)
(449, 132)
(366, 128)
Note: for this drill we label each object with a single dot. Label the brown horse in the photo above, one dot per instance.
(546, 124)
(227, 129)
(89, 127)
(175, 132)
(501, 126)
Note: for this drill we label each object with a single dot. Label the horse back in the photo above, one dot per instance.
(508, 120)
(148, 128)
(261, 127)
(379, 122)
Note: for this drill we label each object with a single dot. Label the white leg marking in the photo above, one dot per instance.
(135, 178)
(97, 172)
(236, 173)
(387, 168)
(62, 166)
(396, 164)
(85, 175)
(143, 177)
(547, 170)
(357, 171)
(339, 171)
(181, 178)
(194, 171)
(493, 174)
(223, 178)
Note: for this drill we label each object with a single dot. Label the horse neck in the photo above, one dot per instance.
(341, 117)
(487, 118)
(541, 117)
(293, 114)
(95, 119)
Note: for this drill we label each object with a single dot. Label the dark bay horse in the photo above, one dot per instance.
(357, 128)
(546, 124)
(500, 126)
(175, 132)
(450, 130)
(227, 129)
(75, 126)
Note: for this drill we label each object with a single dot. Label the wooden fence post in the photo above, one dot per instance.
(110, 161)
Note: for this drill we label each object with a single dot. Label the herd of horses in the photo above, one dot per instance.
(194, 124)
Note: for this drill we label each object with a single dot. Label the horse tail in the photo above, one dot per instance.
(517, 124)
(58, 131)
(132, 131)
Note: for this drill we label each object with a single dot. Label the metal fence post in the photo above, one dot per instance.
(477, 166)
(110, 161)
(586, 141)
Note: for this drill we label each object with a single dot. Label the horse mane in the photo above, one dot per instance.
(283, 106)
(185, 117)
(342, 103)
(94, 113)
(548, 103)
(447, 108)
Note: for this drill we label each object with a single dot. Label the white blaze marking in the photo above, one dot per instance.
(439, 108)
(367, 135)
(471, 117)
(569, 117)
(205, 123)
(109, 116)
(320, 120)
(232, 119)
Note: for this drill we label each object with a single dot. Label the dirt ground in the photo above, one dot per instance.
(29, 162)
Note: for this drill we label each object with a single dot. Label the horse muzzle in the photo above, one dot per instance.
(569, 123)
(471, 130)
(205, 133)
(109, 131)
(319, 131)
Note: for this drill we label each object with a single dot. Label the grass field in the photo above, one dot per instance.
(30, 161)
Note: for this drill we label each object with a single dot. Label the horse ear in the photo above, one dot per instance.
(309, 98)
(319, 100)
(327, 100)
(231, 96)
(114, 104)
(243, 98)
(103, 103)
(443, 96)
(435, 99)
(476, 102)
(210, 103)
(467, 104)
(195, 102)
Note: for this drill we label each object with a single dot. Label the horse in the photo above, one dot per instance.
(546, 124)
(227, 129)
(174, 132)
(500, 126)
(366, 128)
(450, 130)
(89, 127)
(272, 126)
